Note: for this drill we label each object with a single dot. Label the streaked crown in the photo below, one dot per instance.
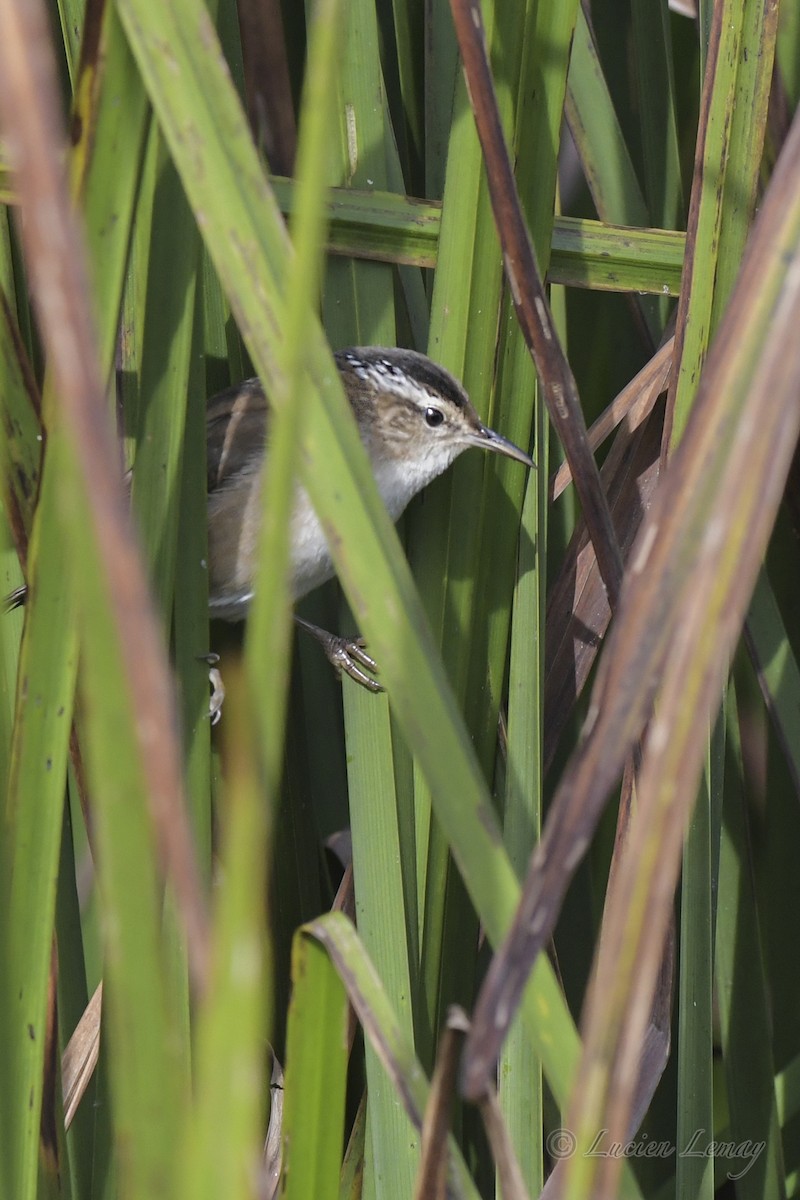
(411, 409)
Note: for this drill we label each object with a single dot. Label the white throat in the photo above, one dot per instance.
(399, 481)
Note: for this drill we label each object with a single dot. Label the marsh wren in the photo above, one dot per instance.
(414, 419)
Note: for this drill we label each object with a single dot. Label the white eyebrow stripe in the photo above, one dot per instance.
(392, 379)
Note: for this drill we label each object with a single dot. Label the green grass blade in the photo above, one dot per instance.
(147, 1051)
(444, 542)
(359, 298)
(441, 86)
(105, 172)
(360, 309)
(605, 157)
(591, 254)
(386, 920)
(32, 820)
(316, 1075)
(604, 153)
(391, 619)
(748, 115)
(788, 59)
(166, 318)
(58, 689)
(740, 63)
(386, 227)
(268, 628)
(191, 606)
(223, 1137)
(409, 32)
(520, 1069)
(694, 1175)
(540, 100)
(771, 651)
(652, 58)
(386, 1033)
(718, 226)
(742, 999)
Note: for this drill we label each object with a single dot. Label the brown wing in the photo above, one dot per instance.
(236, 429)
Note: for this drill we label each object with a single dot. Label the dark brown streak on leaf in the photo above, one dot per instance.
(89, 80)
(269, 94)
(48, 1135)
(432, 1177)
(528, 294)
(578, 612)
(20, 477)
(51, 239)
(512, 1184)
(633, 405)
(345, 902)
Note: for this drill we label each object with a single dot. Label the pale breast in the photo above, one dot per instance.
(238, 430)
(312, 564)
(234, 516)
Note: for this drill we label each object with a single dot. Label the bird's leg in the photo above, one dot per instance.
(344, 654)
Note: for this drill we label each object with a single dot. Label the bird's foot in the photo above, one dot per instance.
(217, 686)
(345, 654)
(349, 655)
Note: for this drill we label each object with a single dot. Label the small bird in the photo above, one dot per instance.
(414, 419)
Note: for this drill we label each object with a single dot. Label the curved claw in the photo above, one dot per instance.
(217, 686)
(349, 655)
(345, 654)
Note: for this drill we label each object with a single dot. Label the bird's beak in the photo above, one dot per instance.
(487, 439)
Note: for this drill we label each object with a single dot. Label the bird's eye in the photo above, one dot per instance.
(433, 417)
